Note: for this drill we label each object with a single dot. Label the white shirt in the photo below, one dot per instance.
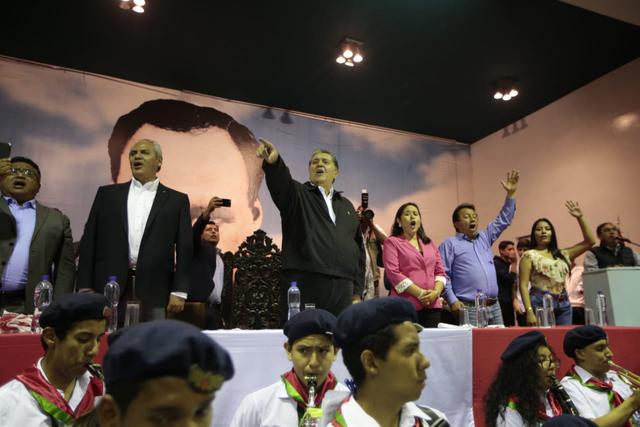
(328, 199)
(269, 407)
(218, 281)
(19, 408)
(592, 403)
(355, 416)
(512, 418)
(139, 203)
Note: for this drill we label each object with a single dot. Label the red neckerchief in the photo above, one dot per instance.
(51, 401)
(541, 413)
(596, 384)
(302, 397)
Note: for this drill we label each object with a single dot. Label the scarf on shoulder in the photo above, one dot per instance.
(593, 383)
(52, 402)
(541, 413)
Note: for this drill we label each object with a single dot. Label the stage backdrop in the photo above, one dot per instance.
(64, 119)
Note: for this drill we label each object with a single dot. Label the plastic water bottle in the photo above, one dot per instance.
(602, 319)
(548, 317)
(112, 293)
(482, 316)
(293, 299)
(42, 297)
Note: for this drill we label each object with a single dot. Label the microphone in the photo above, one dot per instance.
(623, 239)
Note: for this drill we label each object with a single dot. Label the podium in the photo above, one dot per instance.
(621, 286)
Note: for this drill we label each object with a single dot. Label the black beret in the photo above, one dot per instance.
(365, 318)
(72, 308)
(568, 421)
(309, 322)
(166, 348)
(581, 337)
(522, 343)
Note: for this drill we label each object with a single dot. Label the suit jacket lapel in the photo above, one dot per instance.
(4, 207)
(123, 200)
(158, 202)
(41, 216)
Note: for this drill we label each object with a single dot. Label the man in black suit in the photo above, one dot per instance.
(139, 231)
(207, 280)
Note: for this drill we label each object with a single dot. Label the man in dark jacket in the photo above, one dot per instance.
(506, 268)
(322, 248)
(612, 252)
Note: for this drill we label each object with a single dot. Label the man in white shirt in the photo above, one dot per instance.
(597, 392)
(311, 351)
(140, 232)
(381, 349)
(63, 385)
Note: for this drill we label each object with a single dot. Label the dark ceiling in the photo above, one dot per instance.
(429, 67)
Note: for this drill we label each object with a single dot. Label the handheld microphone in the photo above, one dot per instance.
(623, 239)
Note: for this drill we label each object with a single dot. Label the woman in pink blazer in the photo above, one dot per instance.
(413, 266)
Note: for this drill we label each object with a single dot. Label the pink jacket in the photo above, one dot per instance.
(403, 265)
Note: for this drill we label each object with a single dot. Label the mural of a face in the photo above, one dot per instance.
(204, 163)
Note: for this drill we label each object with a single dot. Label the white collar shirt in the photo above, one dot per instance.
(218, 281)
(19, 408)
(139, 203)
(270, 406)
(328, 200)
(510, 417)
(593, 403)
(355, 416)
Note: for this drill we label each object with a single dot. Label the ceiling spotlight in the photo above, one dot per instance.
(349, 52)
(138, 9)
(139, 2)
(506, 89)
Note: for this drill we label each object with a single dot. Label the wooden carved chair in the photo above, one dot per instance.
(254, 298)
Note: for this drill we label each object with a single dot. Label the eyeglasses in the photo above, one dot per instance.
(545, 363)
(27, 173)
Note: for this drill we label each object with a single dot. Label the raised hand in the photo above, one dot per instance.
(573, 208)
(267, 151)
(511, 184)
(214, 203)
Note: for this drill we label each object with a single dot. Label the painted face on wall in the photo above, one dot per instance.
(203, 164)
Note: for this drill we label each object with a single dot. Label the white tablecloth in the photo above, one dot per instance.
(259, 359)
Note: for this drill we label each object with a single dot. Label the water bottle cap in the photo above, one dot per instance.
(112, 279)
(294, 284)
(45, 277)
(600, 292)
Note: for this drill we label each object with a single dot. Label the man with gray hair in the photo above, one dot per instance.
(322, 248)
(140, 232)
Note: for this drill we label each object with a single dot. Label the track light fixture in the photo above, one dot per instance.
(506, 89)
(134, 5)
(349, 52)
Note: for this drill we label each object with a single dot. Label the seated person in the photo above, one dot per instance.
(381, 349)
(612, 252)
(520, 393)
(162, 373)
(63, 385)
(311, 350)
(597, 392)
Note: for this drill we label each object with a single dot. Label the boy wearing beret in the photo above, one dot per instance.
(284, 403)
(63, 385)
(381, 349)
(162, 373)
(598, 392)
